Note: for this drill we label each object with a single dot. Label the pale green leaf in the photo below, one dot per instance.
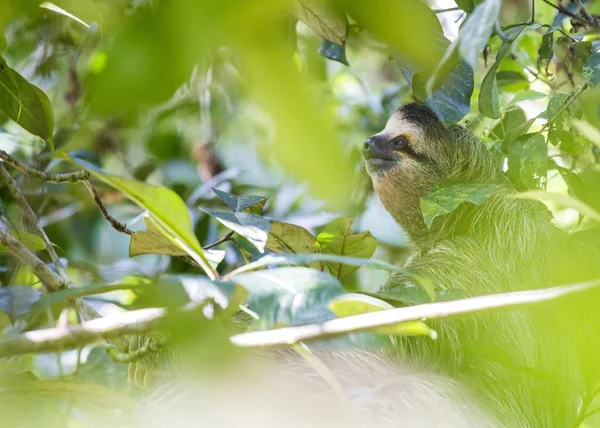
(562, 200)
(477, 29)
(325, 21)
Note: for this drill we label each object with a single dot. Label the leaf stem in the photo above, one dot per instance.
(219, 241)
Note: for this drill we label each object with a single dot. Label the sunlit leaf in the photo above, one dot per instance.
(489, 104)
(251, 226)
(446, 197)
(477, 29)
(591, 70)
(525, 95)
(163, 204)
(588, 131)
(31, 241)
(61, 11)
(327, 22)
(528, 161)
(337, 238)
(562, 200)
(356, 304)
(25, 103)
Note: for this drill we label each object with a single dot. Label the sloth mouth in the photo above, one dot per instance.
(380, 164)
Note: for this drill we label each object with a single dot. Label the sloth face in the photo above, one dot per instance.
(403, 144)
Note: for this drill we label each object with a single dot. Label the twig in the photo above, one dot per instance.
(18, 195)
(219, 241)
(74, 336)
(450, 9)
(335, 327)
(572, 97)
(50, 177)
(98, 201)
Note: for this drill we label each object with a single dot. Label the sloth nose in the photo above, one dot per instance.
(368, 148)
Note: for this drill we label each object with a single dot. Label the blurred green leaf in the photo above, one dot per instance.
(54, 8)
(489, 103)
(588, 131)
(356, 304)
(562, 200)
(337, 238)
(524, 95)
(546, 50)
(477, 30)
(25, 103)
(3, 42)
(31, 241)
(446, 197)
(327, 22)
(251, 226)
(242, 203)
(163, 204)
(528, 161)
(509, 77)
(591, 70)
(17, 301)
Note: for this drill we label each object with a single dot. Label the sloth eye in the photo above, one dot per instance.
(400, 142)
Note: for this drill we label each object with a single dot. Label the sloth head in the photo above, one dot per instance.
(413, 153)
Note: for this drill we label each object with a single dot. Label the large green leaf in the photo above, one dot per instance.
(591, 70)
(477, 29)
(446, 197)
(528, 161)
(156, 240)
(327, 22)
(355, 304)
(163, 204)
(25, 103)
(489, 104)
(337, 238)
(251, 226)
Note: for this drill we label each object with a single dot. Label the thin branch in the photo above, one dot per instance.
(74, 336)
(220, 241)
(335, 327)
(18, 195)
(450, 9)
(98, 201)
(50, 177)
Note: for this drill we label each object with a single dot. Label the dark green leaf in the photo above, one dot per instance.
(241, 203)
(331, 50)
(477, 30)
(251, 226)
(25, 103)
(591, 70)
(446, 197)
(489, 104)
(546, 50)
(337, 238)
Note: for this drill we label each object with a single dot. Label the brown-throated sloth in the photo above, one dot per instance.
(510, 368)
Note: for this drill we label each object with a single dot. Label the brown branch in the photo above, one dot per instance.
(98, 201)
(111, 328)
(219, 241)
(18, 195)
(50, 177)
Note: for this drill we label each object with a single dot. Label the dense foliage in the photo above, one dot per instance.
(166, 164)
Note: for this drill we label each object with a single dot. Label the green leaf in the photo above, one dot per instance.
(156, 240)
(163, 204)
(31, 241)
(61, 11)
(293, 239)
(337, 238)
(523, 95)
(588, 131)
(477, 30)
(591, 70)
(3, 42)
(509, 77)
(528, 161)
(408, 294)
(333, 51)
(241, 203)
(446, 197)
(489, 104)
(251, 226)
(289, 295)
(326, 22)
(546, 50)
(25, 103)
(356, 304)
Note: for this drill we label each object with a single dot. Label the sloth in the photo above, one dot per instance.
(503, 369)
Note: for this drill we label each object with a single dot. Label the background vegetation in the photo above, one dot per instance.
(159, 155)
